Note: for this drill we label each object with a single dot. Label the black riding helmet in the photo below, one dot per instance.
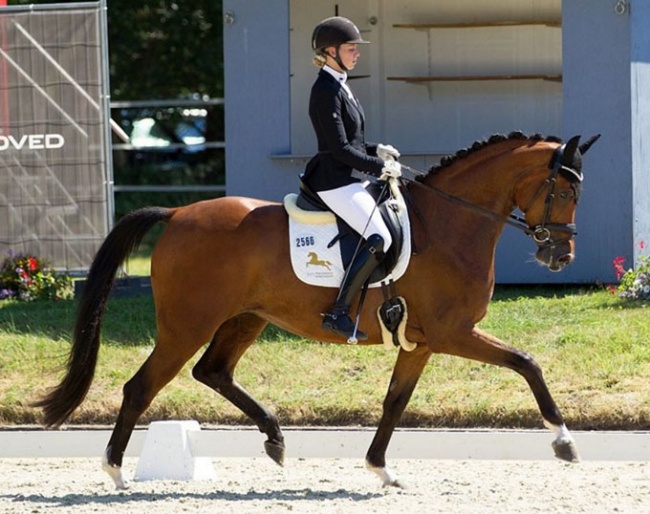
(335, 31)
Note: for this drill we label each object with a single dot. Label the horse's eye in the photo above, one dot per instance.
(566, 194)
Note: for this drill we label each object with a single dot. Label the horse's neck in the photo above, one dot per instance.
(487, 179)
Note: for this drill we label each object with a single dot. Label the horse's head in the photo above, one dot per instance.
(549, 203)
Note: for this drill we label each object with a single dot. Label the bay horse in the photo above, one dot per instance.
(460, 206)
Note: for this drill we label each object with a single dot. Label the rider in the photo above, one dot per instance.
(338, 120)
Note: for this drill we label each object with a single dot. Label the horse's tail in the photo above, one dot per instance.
(61, 401)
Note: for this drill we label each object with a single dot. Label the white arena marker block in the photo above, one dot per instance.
(167, 454)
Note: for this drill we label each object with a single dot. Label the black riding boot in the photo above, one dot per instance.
(367, 259)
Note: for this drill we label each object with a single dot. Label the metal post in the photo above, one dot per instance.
(106, 100)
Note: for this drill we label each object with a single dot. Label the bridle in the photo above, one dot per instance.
(542, 233)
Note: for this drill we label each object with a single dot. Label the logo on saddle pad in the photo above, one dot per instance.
(315, 250)
(315, 261)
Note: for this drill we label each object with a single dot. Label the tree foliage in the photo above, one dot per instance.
(162, 48)
(170, 48)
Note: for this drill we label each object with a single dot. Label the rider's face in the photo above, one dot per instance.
(348, 54)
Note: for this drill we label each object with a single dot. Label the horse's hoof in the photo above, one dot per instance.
(387, 477)
(396, 483)
(275, 450)
(566, 450)
(115, 472)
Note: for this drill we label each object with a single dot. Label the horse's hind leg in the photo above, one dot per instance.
(484, 347)
(163, 364)
(216, 367)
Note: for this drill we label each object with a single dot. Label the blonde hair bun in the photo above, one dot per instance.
(319, 60)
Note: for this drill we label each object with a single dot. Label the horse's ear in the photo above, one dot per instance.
(570, 150)
(584, 147)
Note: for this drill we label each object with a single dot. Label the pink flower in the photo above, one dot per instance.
(618, 267)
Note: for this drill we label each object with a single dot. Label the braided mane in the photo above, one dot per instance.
(479, 145)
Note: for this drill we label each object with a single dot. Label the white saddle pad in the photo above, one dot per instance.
(311, 231)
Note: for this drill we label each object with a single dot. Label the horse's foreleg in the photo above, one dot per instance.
(484, 347)
(406, 374)
(138, 393)
(216, 367)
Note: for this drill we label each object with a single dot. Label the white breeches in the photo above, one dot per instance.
(358, 209)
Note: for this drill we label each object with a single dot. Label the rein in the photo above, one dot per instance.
(540, 233)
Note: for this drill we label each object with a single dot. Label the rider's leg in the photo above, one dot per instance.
(369, 256)
(356, 206)
(358, 209)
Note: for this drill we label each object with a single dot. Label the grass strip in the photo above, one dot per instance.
(592, 347)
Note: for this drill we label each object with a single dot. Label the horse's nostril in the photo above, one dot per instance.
(555, 263)
(561, 262)
(566, 259)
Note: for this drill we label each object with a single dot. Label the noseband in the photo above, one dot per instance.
(542, 232)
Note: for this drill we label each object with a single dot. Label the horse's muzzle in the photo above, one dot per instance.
(555, 258)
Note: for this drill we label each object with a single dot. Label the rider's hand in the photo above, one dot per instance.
(391, 169)
(387, 152)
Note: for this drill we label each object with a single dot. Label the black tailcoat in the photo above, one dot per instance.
(338, 121)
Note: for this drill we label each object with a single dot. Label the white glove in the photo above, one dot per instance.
(391, 169)
(387, 152)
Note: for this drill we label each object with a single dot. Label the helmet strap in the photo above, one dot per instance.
(340, 62)
(337, 59)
